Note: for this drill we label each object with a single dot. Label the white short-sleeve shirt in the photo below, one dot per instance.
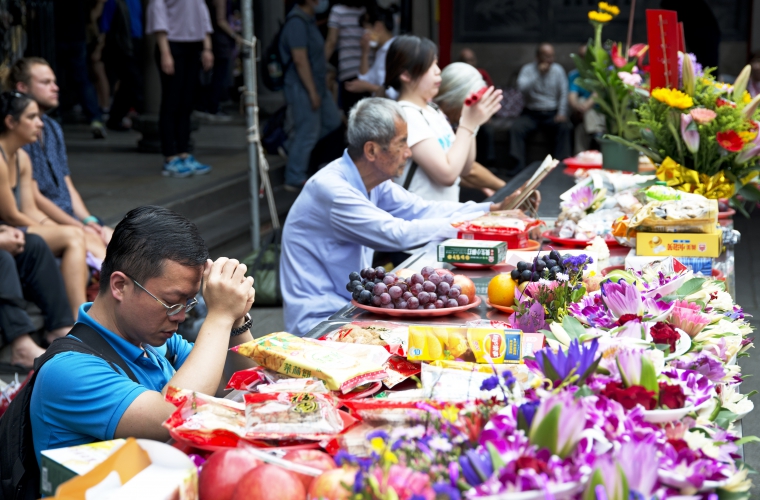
(425, 123)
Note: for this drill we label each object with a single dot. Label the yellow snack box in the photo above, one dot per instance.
(300, 358)
(481, 345)
(680, 244)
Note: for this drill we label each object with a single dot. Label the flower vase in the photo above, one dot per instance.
(615, 156)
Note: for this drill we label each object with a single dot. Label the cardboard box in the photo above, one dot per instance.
(472, 251)
(680, 244)
(60, 465)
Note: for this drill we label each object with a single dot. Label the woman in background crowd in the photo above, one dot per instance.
(378, 33)
(439, 156)
(20, 124)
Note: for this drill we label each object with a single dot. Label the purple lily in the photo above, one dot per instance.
(632, 455)
(592, 311)
(526, 413)
(622, 298)
(476, 466)
(558, 423)
(690, 133)
(578, 359)
(580, 198)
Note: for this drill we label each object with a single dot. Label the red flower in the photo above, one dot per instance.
(671, 396)
(532, 463)
(625, 318)
(678, 444)
(720, 102)
(663, 333)
(730, 140)
(617, 56)
(630, 397)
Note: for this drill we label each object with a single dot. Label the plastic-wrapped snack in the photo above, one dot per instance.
(430, 343)
(521, 372)
(300, 358)
(384, 411)
(205, 421)
(309, 385)
(392, 336)
(693, 215)
(659, 193)
(399, 369)
(446, 384)
(291, 415)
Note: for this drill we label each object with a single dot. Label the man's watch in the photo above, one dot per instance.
(243, 328)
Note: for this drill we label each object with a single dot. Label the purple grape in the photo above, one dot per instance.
(380, 288)
(427, 271)
(463, 300)
(370, 273)
(402, 304)
(404, 287)
(448, 278)
(363, 273)
(413, 303)
(452, 303)
(388, 306)
(429, 306)
(444, 298)
(454, 293)
(395, 292)
(389, 280)
(423, 297)
(379, 272)
(416, 278)
(416, 289)
(428, 287)
(376, 301)
(407, 295)
(439, 304)
(443, 288)
(385, 299)
(434, 278)
(458, 287)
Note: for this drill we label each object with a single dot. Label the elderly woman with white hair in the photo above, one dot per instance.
(351, 208)
(458, 81)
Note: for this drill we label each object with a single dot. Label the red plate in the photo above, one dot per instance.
(573, 163)
(504, 309)
(417, 313)
(573, 242)
(727, 214)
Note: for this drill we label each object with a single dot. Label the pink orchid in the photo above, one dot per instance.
(703, 116)
(406, 482)
(632, 80)
(689, 318)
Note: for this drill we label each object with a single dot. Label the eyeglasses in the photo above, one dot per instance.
(170, 310)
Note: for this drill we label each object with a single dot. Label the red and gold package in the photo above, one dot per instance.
(385, 411)
(399, 369)
(291, 415)
(301, 358)
(392, 336)
(247, 380)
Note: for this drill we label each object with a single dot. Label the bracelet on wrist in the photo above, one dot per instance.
(88, 219)
(242, 328)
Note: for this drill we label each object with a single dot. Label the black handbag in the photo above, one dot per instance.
(264, 266)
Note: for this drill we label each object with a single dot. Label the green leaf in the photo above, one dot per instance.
(747, 439)
(725, 418)
(691, 286)
(733, 495)
(750, 193)
(573, 327)
(546, 433)
(583, 392)
(596, 480)
(655, 157)
(496, 459)
(548, 334)
(649, 376)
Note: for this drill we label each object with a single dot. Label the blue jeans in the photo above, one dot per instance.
(72, 72)
(310, 125)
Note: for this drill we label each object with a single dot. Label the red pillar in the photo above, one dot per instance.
(445, 31)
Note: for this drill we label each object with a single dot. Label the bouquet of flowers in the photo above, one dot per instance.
(703, 135)
(605, 72)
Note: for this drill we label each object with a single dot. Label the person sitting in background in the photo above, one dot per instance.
(183, 45)
(468, 56)
(544, 86)
(378, 33)
(753, 86)
(54, 192)
(20, 124)
(587, 121)
(351, 208)
(28, 271)
(313, 110)
(439, 156)
(147, 286)
(459, 80)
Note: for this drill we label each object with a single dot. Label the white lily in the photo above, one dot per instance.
(700, 442)
(560, 334)
(735, 402)
(738, 482)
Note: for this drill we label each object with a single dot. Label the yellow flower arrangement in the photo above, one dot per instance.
(748, 136)
(673, 98)
(746, 97)
(600, 17)
(612, 9)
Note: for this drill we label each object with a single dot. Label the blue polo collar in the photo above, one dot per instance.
(125, 349)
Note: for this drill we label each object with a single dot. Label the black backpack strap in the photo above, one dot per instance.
(101, 345)
(410, 175)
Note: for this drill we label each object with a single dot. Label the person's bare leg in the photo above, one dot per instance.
(95, 245)
(68, 242)
(24, 350)
(57, 334)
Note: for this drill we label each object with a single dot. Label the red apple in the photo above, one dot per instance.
(266, 482)
(468, 287)
(441, 271)
(222, 472)
(330, 485)
(312, 458)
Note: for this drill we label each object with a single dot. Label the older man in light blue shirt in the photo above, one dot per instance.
(351, 208)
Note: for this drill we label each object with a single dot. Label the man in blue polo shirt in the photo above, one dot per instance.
(149, 280)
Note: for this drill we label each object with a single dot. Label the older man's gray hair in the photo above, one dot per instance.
(372, 119)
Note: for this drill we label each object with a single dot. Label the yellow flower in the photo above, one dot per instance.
(377, 444)
(600, 17)
(749, 178)
(746, 97)
(673, 98)
(450, 413)
(612, 9)
(390, 457)
(748, 135)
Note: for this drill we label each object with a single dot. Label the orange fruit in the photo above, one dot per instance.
(501, 290)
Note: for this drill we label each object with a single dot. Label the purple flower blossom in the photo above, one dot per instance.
(580, 199)
(576, 263)
(445, 490)
(592, 311)
(698, 70)
(578, 360)
(490, 383)
(704, 364)
(565, 432)
(622, 298)
(476, 466)
(632, 456)
(528, 411)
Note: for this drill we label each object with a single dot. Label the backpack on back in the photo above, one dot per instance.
(19, 471)
(274, 71)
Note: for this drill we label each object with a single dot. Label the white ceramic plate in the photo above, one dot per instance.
(561, 492)
(678, 481)
(682, 346)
